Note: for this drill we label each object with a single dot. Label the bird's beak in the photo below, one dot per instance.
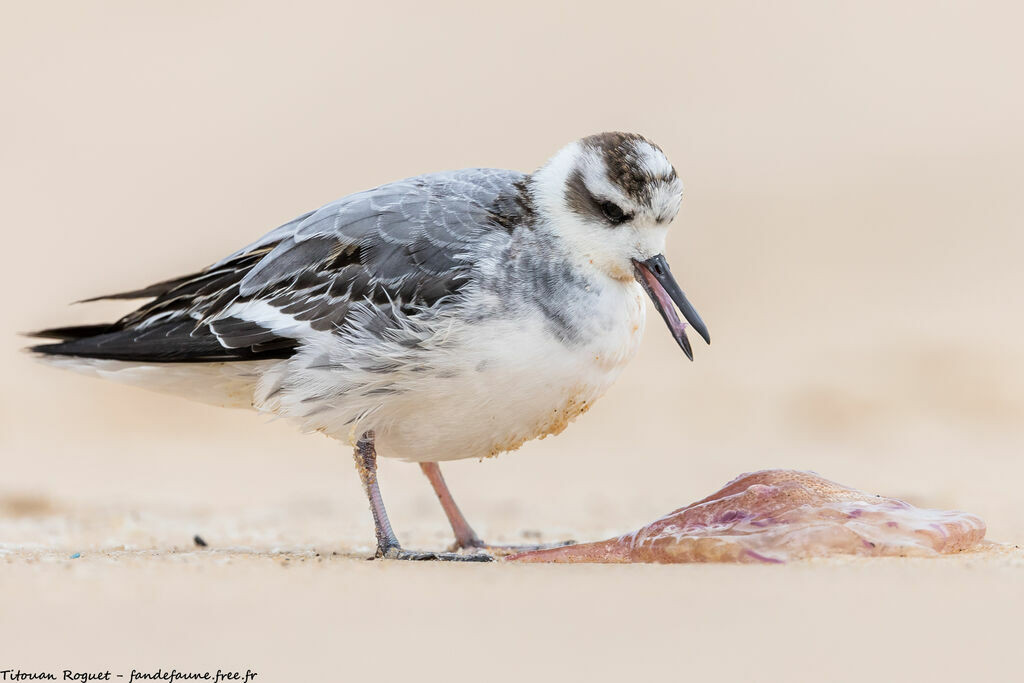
(656, 278)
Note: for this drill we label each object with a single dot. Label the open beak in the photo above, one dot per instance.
(656, 278)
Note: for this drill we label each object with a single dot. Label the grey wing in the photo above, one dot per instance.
(408, 243)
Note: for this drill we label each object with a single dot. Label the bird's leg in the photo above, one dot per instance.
(387, 543)
(366, 464)
(465, 537)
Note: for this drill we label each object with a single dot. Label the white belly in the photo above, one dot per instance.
(509, 385)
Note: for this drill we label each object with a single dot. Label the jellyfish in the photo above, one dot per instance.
(774, 516)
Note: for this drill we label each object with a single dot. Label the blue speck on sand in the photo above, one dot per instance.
(76, 556)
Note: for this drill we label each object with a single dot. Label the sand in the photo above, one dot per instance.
(851, 232)
(297, 617)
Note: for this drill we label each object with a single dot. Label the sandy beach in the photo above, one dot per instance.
(851, 232)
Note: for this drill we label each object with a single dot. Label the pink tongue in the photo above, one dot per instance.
(665, 301)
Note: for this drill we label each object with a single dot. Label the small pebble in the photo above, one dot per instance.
(198, 540)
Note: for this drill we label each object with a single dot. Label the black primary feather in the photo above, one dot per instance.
(172, 342)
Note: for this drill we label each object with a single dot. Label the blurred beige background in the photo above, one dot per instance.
(851, 231)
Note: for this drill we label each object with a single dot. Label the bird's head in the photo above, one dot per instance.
(611, 197)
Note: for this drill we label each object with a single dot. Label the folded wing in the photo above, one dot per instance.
(400, 245)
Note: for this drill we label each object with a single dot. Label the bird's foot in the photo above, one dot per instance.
(398, 553)
(501, 550)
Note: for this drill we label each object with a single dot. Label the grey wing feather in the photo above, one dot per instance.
(403, 242)
(407, 229)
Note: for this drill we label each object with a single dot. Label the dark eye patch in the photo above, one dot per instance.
(582, 202)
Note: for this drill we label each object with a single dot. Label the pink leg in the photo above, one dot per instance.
(465, 537)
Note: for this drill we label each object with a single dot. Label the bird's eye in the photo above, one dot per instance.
(614, 213)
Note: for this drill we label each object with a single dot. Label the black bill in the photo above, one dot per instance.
(656, 278)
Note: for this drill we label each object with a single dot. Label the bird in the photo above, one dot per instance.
(450, 315)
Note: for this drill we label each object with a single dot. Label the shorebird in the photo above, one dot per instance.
(445, 316)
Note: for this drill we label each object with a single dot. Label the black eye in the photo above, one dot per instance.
(614, 213)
